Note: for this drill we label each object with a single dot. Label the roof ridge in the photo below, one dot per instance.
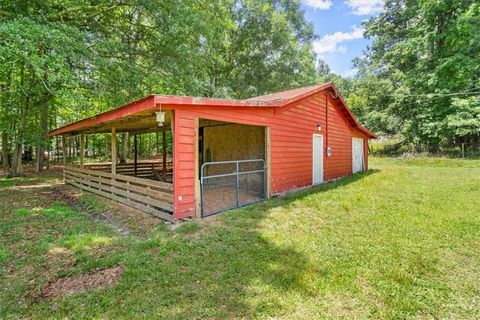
(286, 94)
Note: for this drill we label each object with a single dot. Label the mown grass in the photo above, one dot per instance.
(401, 241)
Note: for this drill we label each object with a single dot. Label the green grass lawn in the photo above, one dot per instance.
(401, 241)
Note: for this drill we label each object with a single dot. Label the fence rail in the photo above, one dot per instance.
(150, 196)
(144, 169)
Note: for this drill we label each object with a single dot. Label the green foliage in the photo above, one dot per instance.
(421, 76)
(79, 58)
(465, 120)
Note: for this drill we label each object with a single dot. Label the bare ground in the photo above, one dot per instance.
(97, 279)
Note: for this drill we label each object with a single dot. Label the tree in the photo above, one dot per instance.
(40, 62)
(424, 54)
(323, 70)
(63, 61)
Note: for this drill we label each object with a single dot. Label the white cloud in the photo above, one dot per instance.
(319, 4)
(365, 7)
(330, 43)
(350, 73)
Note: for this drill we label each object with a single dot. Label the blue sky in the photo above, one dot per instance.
(338, 23)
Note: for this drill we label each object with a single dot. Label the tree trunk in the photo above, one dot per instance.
(82, 150)
(57, 151)
(135, 154)
(107, 147)
(75, 147)
(123, 148)
(42, 136)
(49, 155)
(5, 152)
(16, 167)
(64, 151)
(86, 146)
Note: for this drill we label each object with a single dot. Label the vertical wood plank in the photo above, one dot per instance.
(197, 171)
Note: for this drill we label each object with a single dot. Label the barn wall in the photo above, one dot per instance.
(291, 131)
(185, 135)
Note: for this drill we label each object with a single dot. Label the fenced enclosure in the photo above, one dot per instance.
(231, 184)
(150, 196)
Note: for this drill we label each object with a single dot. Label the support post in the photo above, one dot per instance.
(268, 164)
(237, 189)
(164, 152)
(198, 195)
(135, 154)
(114, 151)
(64, 151)
(82, 149)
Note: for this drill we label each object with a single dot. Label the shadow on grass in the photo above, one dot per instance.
(223, 267)
(329, 186)
(226, 267)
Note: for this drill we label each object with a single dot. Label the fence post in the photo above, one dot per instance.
(238, 184)
(201, 190)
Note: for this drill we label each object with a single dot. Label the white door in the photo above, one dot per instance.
(317, 159)
(357, 155)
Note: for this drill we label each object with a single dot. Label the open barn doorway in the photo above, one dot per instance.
(231, 164)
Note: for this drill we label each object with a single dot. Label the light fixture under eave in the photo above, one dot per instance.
(160, 116)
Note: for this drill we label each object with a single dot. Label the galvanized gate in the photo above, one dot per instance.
(230, 184)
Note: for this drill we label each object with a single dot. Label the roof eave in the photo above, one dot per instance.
(143, 104)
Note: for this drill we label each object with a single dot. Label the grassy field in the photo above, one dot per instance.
(400, 241)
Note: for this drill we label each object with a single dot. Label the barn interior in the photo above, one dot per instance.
(139, 126)
(145, 184)
(231, 164)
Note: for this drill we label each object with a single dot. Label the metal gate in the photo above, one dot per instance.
(230, 184)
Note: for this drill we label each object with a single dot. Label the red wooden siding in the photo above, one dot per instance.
(292, 128)
(184, 163)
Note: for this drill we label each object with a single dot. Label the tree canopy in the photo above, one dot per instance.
(421, 76)
(65, 60)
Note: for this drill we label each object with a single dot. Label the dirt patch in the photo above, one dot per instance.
(66, 194)
(28, 198)
(219, 199)
(35, 185)
(98, 279)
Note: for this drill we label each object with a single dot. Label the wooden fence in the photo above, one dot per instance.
(150, 196)
(144, 169)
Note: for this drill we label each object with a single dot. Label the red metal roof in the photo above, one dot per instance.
(278, 99)
(287, 95)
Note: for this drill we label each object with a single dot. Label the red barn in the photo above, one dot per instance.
(226, 153)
